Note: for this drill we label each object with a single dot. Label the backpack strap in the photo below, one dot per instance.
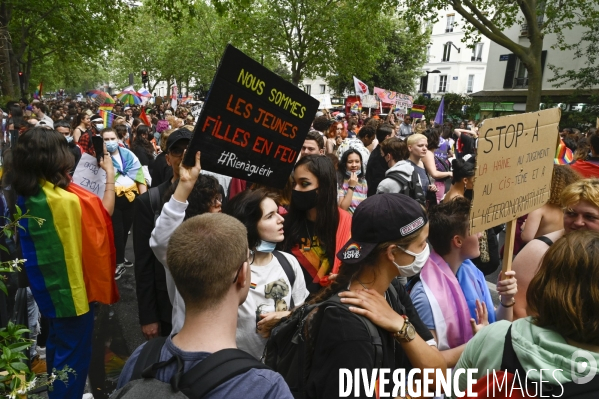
(288, 271)
(375, 337)
(154, 194)
(216, 369)
(149, 355)
(546, 240)
(509, 361)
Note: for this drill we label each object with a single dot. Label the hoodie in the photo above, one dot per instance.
(536, 348)
(401, 168)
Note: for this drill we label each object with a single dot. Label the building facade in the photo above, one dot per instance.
(506, 84)
(451, 66)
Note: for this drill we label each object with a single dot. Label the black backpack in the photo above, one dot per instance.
(211, 372)
(411, 188)
(286, 349)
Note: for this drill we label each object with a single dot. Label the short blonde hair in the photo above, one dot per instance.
(414, 138)
(164, 138)
(584, 189)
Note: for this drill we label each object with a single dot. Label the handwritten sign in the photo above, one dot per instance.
(89, 175)
(253, 123)
(514, 167)
(324, 99)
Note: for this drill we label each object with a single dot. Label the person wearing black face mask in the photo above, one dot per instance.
(315, 227)
(352, 187)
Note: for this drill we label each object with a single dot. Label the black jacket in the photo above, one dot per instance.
(344, 342)
(161, 171)
(375, 173)
(150, 278)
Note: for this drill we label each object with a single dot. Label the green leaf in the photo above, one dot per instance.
(19, 366)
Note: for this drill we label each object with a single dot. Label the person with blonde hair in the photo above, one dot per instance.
(550, 217)
(418, 147)
(563, 328)
(580, 204)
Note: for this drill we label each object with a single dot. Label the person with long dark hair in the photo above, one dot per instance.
(144, 150)
(352, 187)
(315, 225)
(63, 279)
(389, 233)
(275, 290)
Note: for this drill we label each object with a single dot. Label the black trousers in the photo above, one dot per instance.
(122, 219)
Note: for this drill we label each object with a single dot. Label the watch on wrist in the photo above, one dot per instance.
(352, 188)
(407, 332)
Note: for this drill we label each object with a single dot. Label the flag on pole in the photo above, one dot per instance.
(107, 117)
(38, 92)
(440, 112)
(417, 111)
(144, 118)
(361, 87)
(174, 96)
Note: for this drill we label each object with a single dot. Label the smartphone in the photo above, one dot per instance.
(98, 147)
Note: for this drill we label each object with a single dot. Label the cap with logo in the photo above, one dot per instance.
(381, 218)
(179, 134)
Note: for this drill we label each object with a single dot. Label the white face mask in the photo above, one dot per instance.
(413, 268)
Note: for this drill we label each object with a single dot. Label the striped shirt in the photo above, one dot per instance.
(360, 193)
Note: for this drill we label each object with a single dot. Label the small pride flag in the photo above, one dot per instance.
(417, 111)
(38, 92)
(107, 116)
(253, 286)
(563, 155)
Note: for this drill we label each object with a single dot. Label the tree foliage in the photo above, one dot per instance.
(491, 17)
(33, 32)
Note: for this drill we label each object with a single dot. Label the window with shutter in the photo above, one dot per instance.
(510, 71)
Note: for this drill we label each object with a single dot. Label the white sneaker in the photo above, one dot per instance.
(87, 396)
(120, 270)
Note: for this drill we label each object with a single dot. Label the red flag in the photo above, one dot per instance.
(144, 118)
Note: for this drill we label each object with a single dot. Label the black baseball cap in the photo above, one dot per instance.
(179, 134)
(381, 218)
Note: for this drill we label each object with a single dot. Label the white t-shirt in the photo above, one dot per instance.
(269, 292)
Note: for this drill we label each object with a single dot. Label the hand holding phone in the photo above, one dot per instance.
(98, 143)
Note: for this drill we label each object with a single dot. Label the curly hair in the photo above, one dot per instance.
(563, 176)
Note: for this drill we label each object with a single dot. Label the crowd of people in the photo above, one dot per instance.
(368, 248)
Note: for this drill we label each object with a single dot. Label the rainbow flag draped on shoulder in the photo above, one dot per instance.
(70, 258)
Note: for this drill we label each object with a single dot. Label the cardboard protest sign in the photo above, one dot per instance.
(253, 122)
(514, 167)
(89, 175)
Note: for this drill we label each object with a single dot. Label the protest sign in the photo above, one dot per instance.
(514, 167)
(89, 175)
(253, 122)
(403, 102)
(369, 101)
(324, 99)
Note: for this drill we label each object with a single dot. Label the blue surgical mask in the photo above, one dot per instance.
(266, 246)
(69, 139)
(112, 146)
(99, 126)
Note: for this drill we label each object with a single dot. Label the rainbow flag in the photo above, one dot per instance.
(70, 258)
(107, 116)
(38, 92)
(417, 111)
(563, 155)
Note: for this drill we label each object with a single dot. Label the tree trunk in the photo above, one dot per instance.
(296, 77)
(535, 75)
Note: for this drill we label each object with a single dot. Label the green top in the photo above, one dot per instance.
(536, 347)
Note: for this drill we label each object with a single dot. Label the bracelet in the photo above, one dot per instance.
(510, 305)
(352, 188)
(108, 183)
(106, 189)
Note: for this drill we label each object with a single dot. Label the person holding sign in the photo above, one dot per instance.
(580, 202)
(451, 294)
(352, 188)
(559, 346)
(129, 183)
(316, 227)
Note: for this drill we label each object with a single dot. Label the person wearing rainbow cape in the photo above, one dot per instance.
(450, 293)
(70, 255)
